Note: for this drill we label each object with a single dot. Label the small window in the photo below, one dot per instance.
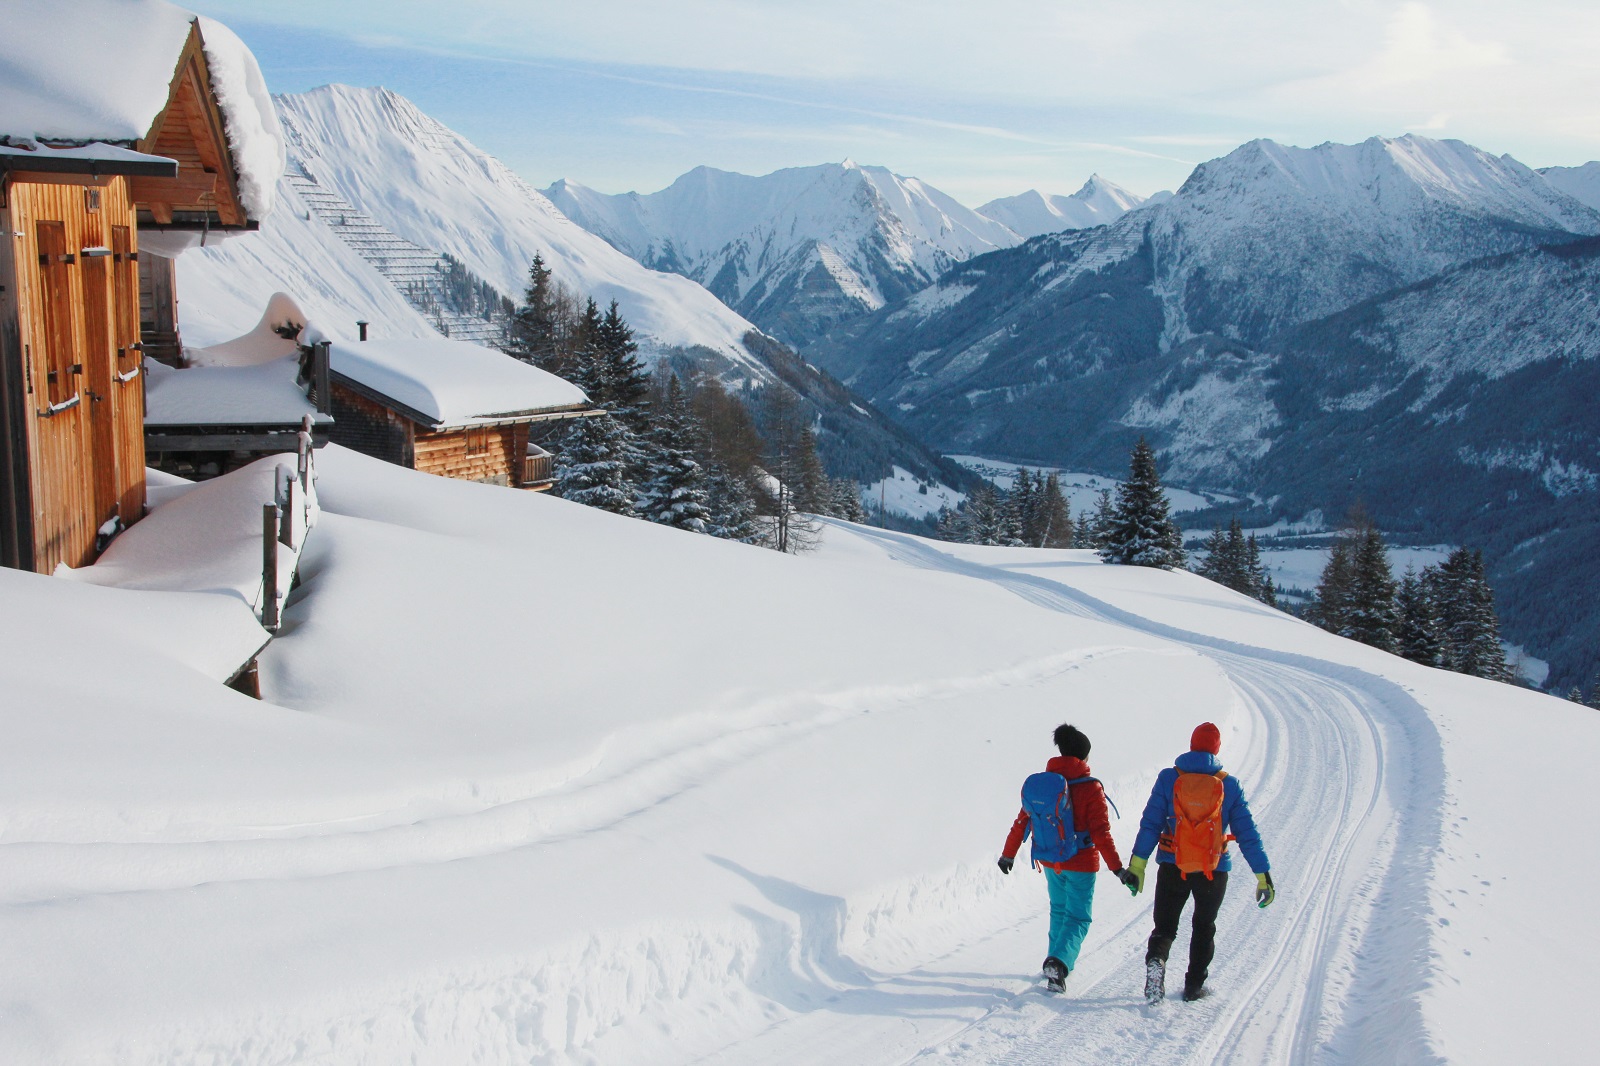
(91, 199)
(477, 441)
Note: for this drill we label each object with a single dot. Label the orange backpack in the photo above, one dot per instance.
(1197, 840)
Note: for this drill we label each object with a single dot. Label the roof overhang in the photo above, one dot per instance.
(92, 160)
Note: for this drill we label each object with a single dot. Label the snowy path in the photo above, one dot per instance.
(1347, 765)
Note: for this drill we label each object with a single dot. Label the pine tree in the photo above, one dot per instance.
(1142, 531)
(626, 385)
(1417, 618)
(1256, 573)
(1575, 695)
(844, 496)
(1331, 608)
(731, 509)
(1371, 617)
(592, 467)
(1025, 499)
(1092, 531)
(1470, 626)
(1594, 690)
(1055, 527)
(952, 525)
(675, 493)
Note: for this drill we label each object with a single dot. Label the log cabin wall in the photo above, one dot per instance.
(370, 428)
(82, 395)
(491, 454)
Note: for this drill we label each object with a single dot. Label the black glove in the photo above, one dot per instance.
(1130, 879)
(1005, 863)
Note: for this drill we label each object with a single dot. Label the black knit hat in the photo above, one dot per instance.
(1071, 742)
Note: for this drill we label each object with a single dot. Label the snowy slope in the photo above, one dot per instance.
(457, 834)
(796, 250)
(1033, 213)
(432, 187)
(1580, 183)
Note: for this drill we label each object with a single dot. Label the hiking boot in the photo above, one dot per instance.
(1155, 980)
(1055, 974)
(1192, 992)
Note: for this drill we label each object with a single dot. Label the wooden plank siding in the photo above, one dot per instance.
(486, 453)
(190, 129)
(85, 463)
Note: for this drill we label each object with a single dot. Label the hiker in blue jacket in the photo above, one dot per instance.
(1192, 807)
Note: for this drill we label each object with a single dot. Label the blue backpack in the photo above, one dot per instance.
(1048, 801)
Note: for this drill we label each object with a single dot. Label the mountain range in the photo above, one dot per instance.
(1404, 322)
(802, 250)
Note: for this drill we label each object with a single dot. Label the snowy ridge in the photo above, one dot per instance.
(1580, 183)
(1033, 213)
(434, 188)
(796, 250)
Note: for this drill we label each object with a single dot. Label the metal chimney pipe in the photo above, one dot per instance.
(362, 326)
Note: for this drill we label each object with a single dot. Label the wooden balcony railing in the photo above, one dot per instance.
(538, 468)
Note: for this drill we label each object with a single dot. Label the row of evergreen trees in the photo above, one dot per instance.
(1034, 513)
(1443, 616)
(693, 456)
(1234, 560)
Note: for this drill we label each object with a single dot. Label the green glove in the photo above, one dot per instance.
(1136, 868)
(1265, 893)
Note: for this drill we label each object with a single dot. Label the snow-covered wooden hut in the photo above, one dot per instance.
(129, 130)
(448, 407)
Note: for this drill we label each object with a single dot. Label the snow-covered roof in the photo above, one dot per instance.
(101, 70)
(453, 383)
(95, 158)
(262, 394)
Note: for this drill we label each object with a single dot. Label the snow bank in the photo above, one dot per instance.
(537, 783)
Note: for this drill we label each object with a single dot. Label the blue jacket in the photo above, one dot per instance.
(1158, 819)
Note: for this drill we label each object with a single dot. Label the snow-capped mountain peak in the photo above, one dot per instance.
(796, 250)
(431, 186)
(1033, 213)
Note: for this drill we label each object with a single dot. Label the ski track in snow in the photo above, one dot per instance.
(587, 801)
(1343, 951)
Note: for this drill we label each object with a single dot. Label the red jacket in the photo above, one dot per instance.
(1088, 812)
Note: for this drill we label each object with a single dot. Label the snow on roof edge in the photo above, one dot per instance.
(255, 137)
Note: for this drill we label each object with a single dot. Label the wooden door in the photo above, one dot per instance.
(128, 392)
(99, 394)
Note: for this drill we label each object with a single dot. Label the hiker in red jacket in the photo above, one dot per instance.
(1069, 862)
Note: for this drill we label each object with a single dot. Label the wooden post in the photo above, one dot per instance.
(303, 467)
(269, 567)
(320, 369)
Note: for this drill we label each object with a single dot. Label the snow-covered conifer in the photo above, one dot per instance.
(1055, 526)
(675, 492)
(1142, 531)
(592, 465)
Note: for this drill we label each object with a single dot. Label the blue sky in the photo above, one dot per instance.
(980, 100)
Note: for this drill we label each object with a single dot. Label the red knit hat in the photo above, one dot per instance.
(1207, 737)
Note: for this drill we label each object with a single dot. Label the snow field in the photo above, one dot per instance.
(535, 783)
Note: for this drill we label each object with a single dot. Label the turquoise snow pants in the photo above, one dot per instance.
(1071, 901)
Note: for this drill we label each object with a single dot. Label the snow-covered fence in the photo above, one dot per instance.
(285, 524)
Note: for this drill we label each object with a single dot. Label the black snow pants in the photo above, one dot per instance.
(1173, 890)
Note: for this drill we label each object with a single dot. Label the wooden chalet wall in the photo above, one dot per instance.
(70, 326)
(492, 454)
(485, 453)
(370, 428)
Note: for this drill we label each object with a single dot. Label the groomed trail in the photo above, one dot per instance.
(1333, 970)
